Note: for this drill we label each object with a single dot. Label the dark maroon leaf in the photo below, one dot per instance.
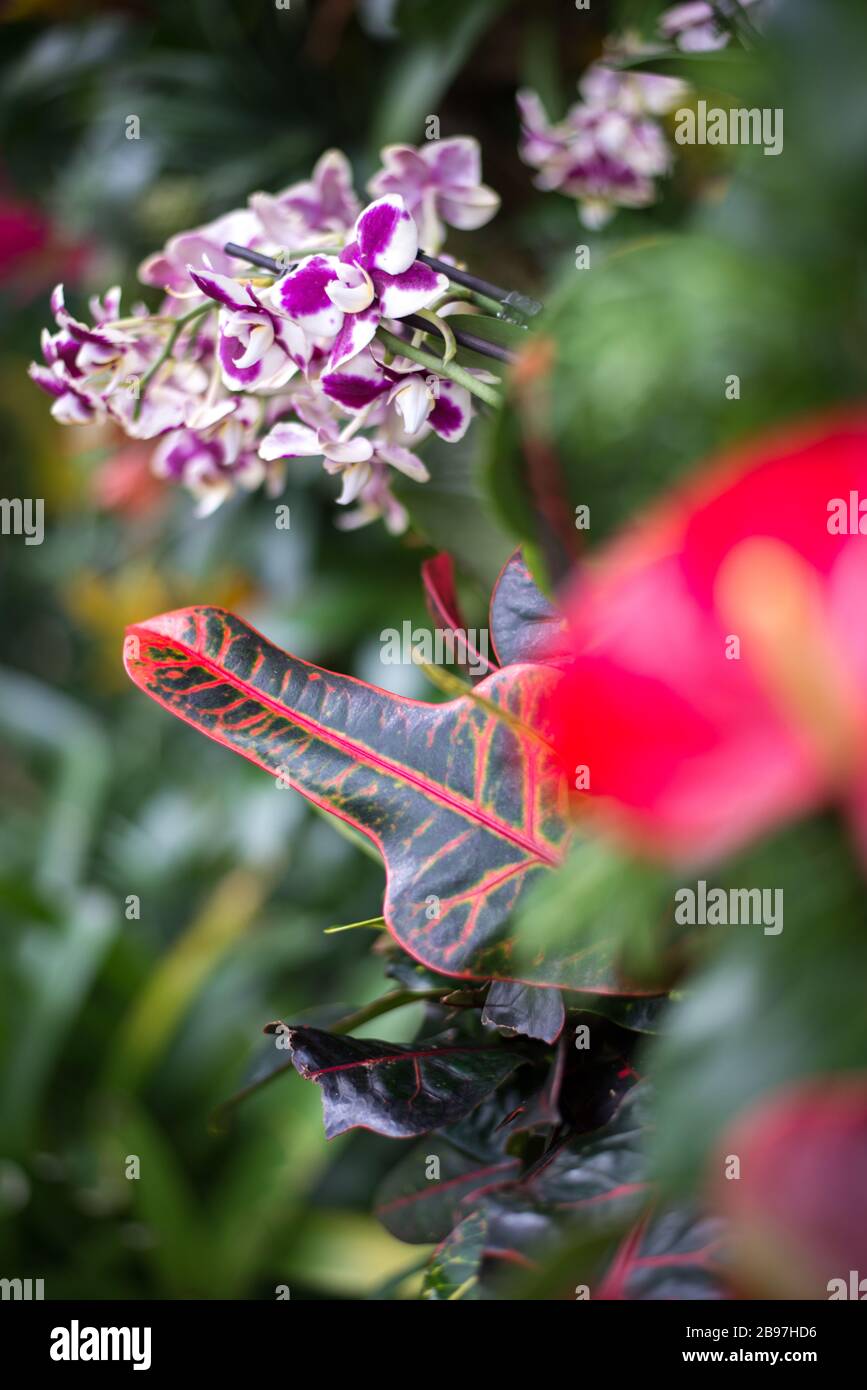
(438, 577)
(525, 625)
(418, 1207)
(677, 1254)
(537, 1013)
(397, 1090)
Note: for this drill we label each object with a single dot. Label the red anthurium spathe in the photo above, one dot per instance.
(719, 675)
(796, 1212)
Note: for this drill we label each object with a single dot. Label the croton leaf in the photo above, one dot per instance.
(453, 1272)
(438, 578)
(466, 807)
(397, 1090)
(525, 625)
(677, 1254)
(519, 1008)
(594, 1183)
(419, 1202)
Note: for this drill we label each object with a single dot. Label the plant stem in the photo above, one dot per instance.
(180, 325)
(376, 922)
(385, 1005)
(454, 372)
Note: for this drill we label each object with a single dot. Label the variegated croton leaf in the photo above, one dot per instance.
(466, 804)
(392, 1089)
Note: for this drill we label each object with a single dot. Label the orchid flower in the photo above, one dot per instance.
(85, 365)
(344, 452)
(201, 249)
(232, 379)
(376, 276)
(214, 453)
(440, 182)
(416, 395)
(258, 349)
(325, 204)
(610, 147)
(695, 27)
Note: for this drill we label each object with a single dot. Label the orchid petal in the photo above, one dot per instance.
(408, 292)
(339, 453)
(356, 333)
(302, 295)
(387, 236)
(452, 411)
(222, 288)
(289, 440)
(404, 461)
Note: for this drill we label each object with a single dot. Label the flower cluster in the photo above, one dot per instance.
(611, 146)
(239, 372)
(696, 27)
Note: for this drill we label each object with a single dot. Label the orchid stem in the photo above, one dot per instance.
(457, 374)
(180, 325)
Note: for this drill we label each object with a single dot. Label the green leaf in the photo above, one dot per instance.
(454, 1270)
(765, 1010)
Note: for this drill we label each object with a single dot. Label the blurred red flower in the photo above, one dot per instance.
(719, 677)
(797, 1212)
(32, 255)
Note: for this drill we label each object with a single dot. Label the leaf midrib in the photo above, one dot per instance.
(433, 790)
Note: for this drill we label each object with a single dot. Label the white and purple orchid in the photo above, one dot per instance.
(609, 148)
(440, 183)
(213, 454)
(696, 27)
(344, 450)
(201, 249)
(322, 206)
(418, 397)
(375, 277)
(258, 350)
(237, 373)
(84, 366)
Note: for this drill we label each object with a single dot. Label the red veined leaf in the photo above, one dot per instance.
(675, 1254)
(438, 578)
(525, 625)
(397, 1090)
(418, 1208)
(592, 1184)
(466, 809)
